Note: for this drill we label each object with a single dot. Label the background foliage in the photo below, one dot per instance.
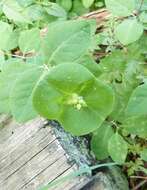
(48, 68)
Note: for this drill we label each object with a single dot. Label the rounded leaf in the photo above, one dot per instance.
(47, 100)
(128, 31)
(9, 38)
(120, 7)
(143, 154)
(21, 95)
(137, 104)
(59, 48)
(99, 97)
(69, 77)
(67, 5)
(10, 73)
(73, 96)
(118, 148)
(79, 122)
(100, 139)
(136, 125)
(87, 3)
(29, 40)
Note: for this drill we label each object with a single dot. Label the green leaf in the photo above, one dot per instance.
(78, 8)
(80, 122)
(22, 93)
(80, 105)
(91, 65)
(87, 3)
(100, 139)
(56, 10)
(59, 48)
(136, 126)
(29, 40)
(14, 12)
(114, 62)
(120, 7)
(8, 38)
(143, 17)
(143, 154)
(67, 5)
(25, 3)
(132, 34)
(123, 92)
(12, 42)
(35, 12)
(118, 148)
(8, 76)
(137, 104)
(2, 62)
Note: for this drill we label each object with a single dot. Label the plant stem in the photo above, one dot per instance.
(139, 177)
(76, 174)
(140, 184)
(142, 1)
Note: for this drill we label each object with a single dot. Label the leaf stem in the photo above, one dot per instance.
(142, 1)
(77, 173)
(139, 177)
(140, 184)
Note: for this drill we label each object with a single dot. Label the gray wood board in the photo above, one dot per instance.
(31, 157)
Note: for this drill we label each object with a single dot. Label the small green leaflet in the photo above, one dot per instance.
(78, 8)
(128, 31)
(114, 62)
(14, 11)
(136, 125)
(56, 10)
(9, 38)
(35, 12)
(8, 76)
(143, 154)
(143, 17)
(66, 41)
(80, 105)
(99, 142)
(118, 148)
(22, 93)
(2, 61)
(91, 65)
(137, 104)
(25, 3)
(121, 8)
(17, 84)
(29, 40)
(67, 5)
(87, 3)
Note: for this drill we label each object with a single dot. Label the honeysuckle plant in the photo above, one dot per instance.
(48, 68)
(72, 95)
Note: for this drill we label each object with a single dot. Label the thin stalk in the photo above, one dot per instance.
(75, 174)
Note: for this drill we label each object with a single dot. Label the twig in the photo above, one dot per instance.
(14, 55)
(101, 16)
(139, 177)
(17, 56)
(139, 185)
(142, 1)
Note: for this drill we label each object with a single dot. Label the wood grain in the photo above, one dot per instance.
(31, 157)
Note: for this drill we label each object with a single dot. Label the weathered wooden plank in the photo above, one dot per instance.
(20, 135)
(25, 153)
(31, 157)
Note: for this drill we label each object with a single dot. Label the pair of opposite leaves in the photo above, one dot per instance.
(33, 90)
(50, 99)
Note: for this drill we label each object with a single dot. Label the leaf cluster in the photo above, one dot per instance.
(48, 69)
